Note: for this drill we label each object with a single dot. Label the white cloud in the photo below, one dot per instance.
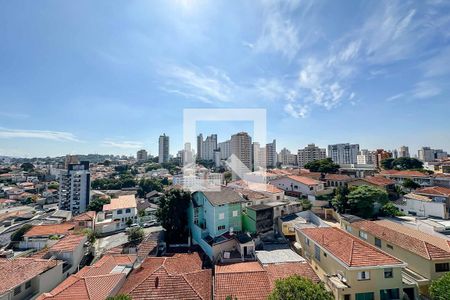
(123, 144)
(395, 97)
(296, 110)
(425, 89)
(38, 134)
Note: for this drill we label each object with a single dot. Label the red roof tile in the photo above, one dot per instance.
(86, 216)
(350, 250)
(122, 202)
(415, 241)
(284, 270)
(14, 272)
(434, 191)
(176, 277)
(378, 180)
(403, 173)
(47, 230)
(304, 180)
(69, 243)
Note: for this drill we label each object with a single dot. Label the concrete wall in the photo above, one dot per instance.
(424, 208)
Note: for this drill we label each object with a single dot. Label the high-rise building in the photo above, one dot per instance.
(365, 157)
(163, 153)
(206, 147)
(258, 156)
(426, 154)
(74, 188)
(309, 154)
(343, 153)
(225, 149)
(241, 147)
(380, 155)
(186, 156)
(142, 155)
(271, 154)
(286, 158)
(70, 159)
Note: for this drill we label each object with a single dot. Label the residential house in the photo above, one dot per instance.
(101, 280)
(350, 267)
(337, 180)
(42, 236)
(379, 182)
(178, 276)
(85, 220)
(301, 186)
(304, 219)
(215, 224)
(25, 278)
(117, 215)
(422, 206)
(427, 256)
(71, 250)
(257, 219)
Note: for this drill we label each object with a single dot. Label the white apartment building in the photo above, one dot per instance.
(205, 148)
(403, 151)
(163, 151)
(117, 214)
(258, 156)
(365, 157)
(343, 153)
(74, 188)
(241, 147)
(225, 149)
(271, 154)
(142, 155)
(309, 154)
(287, 158)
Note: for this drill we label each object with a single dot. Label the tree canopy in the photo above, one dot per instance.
(149, 184)
(401, 163)
(172, 214)
(27, 166)
(325, 165)
(96, 204)
(135, 235)
(125, 180)
(119, 297)
(340, 199)
(410, 184)
(362, 199)
(299, 288)
(439, 288)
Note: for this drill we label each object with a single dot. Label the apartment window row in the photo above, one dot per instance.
(365, 275)
(18, 289)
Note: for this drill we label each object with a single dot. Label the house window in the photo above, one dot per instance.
(221, 216)
(17, 290)
(390, 246)
(363, 235)
(388, 273)
(324, 254)
(348, 228)
(28, 284)
(119, 211)
(317, 252)
(235, 213)
(307, 241)
(365, 296)
(390, 294)
(128, 210)
(442, 267)
(296, 187)
(378, 242)
(347, 297)
(364, 275)
(221, 227)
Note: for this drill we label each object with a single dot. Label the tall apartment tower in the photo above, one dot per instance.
(199, 146)
(309, 154)
(241, 146)
(70, 159)
(75, 187)
(365, 157)
(286, 158)
(141, 155)
(343, 153)
(207, 147)
(258, 156)
(271, 154)
(163, 153)
(426, 154)
(225, 149)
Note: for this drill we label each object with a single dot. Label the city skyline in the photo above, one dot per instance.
(77, 82)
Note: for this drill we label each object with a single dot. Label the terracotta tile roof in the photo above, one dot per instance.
(245, 281)
(176, 277)
(434, 191)
(415, 241)
(86, 216)
(378, 180)
(337, 177)
(304, 180)
(108, 262)
(14, 272)
(122, 202)
(403, 173)
(284, 270)
(349, 249)
(46, 230)
(417, 197)
(68, 243)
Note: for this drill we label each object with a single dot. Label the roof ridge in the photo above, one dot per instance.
(65, 288)
(425, 244)
(190, 285)
(351, 252)
(146, 277)
(87, 288)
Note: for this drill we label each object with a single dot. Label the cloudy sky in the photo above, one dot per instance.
(111, 76)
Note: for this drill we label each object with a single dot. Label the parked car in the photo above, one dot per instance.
(132, 226)
(149, 224)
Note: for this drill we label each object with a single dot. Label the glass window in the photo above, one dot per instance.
(235, 213)
(221, 227)
(363, 235)
(378, 242)
(442, 267)
(28, 284)
(348, 228)
(364, 275)
(221, 216)
(389, 294)
(317, 252)
(390, 246)
(307, 241)
(17, 290)
(128, 210)
(388, 273)
(119, 211)
(364, 296)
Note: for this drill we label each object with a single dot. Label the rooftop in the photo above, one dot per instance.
(348, 249)
(122, 202)
(86, 216)
(434, 191)
(278, 256)
(14, 272)
(418, 242)
(226, 195)
(47, 230)
(402, 173)
(304, 180)
(174, 277)
(417, 197)
(378, 180)
(68, 243)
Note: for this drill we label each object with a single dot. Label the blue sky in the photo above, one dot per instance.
(111, 76)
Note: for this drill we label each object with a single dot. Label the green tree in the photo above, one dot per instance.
(407, 163)
(120, 297)
(227, 176)
(299, 288)
(410, 184)
(387, 163)
(172, 214)
(129, 222)
(27, 167)
(390, 210)
(18, 234)
(306, 204)
(439, 288)
(135, 235)
(362, 199)
(53, 185)
(90, 234)
(96, 204)
(325, 165)
(340, 199)
(147, 185)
